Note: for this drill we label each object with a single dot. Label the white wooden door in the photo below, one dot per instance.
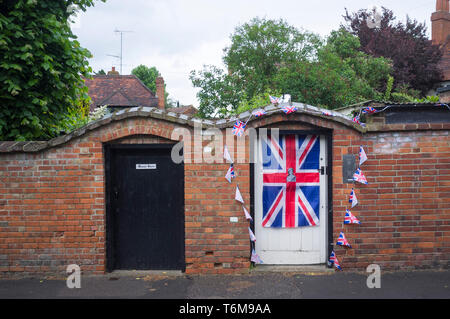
(291, 199)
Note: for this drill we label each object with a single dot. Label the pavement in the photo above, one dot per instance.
(430, 284)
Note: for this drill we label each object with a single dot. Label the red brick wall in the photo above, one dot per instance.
(52, 209)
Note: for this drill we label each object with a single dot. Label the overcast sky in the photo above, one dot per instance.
(177, 36)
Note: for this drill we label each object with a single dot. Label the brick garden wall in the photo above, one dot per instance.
(52, 202)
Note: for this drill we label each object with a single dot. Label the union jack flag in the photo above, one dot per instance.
(369, 110)
(230, 173)
(327, 113)
(352, 199)
(255, 258)
(238, 128)
(362, 156)
(356, 119)
(274, 100)
(289, 109)
(291, 181)
(342, 241)
(333, 259)
(358, 176)
(259, 112)
(350, 218)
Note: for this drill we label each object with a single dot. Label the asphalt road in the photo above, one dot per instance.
(265, 285)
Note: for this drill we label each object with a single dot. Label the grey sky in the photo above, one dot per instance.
(178, 36)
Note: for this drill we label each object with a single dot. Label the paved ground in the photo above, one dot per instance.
(256, 285)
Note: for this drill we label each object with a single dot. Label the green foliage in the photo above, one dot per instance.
(271, 56)
(259, 47)
(257, 101)
(146, 75)
(428, 99)
(341, 75)
(219, 93)
(389, 85)
(41, 67)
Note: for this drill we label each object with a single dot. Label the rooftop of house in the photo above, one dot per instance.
(119, 91)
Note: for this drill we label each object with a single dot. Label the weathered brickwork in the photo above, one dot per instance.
(52, 202)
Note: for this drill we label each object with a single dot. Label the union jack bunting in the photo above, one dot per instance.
(252, 236)
(289, 109)
(255, 258)
(362, 156)
(327, 113)
(356, 119)
(238, 128)
(226, 154)
(350, 218)
(290, 181)
(274, 100)
(352, 199)
(238, 195)
(230, 174)
(342, 241)
(259, 112)
(247, 215)
(333, 259)
(358, 176)
(369, 110)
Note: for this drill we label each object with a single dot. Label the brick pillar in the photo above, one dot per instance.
(160, 94)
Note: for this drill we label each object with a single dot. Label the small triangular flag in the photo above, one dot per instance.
(342, 241)
(352, 199)
(255, 258)
(358, 176)
(350, 218)
(230, 174)
(226, 154)
(333, 259)
(247, 215)
(238, 195)
(252, 236)
(362, 156)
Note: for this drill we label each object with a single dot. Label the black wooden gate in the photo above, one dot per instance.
(145, 208)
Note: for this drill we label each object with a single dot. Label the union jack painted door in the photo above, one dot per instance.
(290, 199)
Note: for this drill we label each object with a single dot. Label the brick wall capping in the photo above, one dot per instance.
(183, 119)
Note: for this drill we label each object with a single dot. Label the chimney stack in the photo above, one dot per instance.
(160, 94)
(113, 71)
(440, 22)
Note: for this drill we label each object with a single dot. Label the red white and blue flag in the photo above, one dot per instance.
(255, 258)
(259, 112)
(350, 218)
(342, 241)
(352, 198)
(289, 109)
(252, 236)
(238, 128)
(333, 259)
(274, 100)
(290, 181)
(358, 176)
(327, 113)
(230, 173)
(369, 110)
(362, 156)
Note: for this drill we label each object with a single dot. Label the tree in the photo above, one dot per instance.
(263, 59)
(342, 75)
(148, 76)
(414, 57)
(259, 47)
(41, 67)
